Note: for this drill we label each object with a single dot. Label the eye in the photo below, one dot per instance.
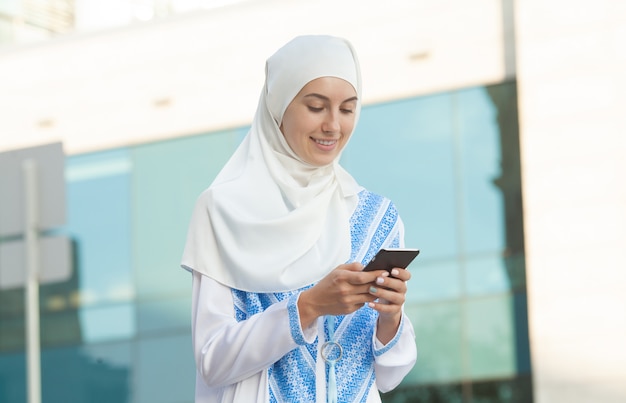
(314, 108)
(348, 107)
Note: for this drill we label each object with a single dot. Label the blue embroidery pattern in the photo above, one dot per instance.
(393, 341)
(373, 225)
(294, 320)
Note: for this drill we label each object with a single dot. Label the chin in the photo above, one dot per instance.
(317, 162)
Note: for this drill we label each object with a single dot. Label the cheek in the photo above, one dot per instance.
(348, 126)
(291, 133)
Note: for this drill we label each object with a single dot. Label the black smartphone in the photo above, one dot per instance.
(387, 259)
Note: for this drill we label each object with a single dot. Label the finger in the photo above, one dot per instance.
(385, 308)
(348, 304)
(401, 274)
(392, 284)
(362, 300)
(354, 266)
(367, 277)
(389, 296)
(351, 272)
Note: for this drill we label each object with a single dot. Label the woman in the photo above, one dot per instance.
(282, 311)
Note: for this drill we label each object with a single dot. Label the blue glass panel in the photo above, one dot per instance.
(479, 166)
(404, 151)
(490, 337)
(165, 370)
(13, 377)
(486, 274)
(95, 374)
(168, 178)
(104, 323)
(439, 342)
(164, 315)
(99, 222)
(434, 280)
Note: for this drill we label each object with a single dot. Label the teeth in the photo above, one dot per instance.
(326, 142)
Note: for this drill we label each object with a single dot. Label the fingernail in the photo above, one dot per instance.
(380, 280)
(373, 290)
(395, 272)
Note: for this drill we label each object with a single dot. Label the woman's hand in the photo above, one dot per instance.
(341, 292)
(391, 293)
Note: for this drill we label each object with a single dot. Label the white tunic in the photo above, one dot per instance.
(232, 357)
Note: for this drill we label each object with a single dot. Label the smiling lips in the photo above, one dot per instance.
(325, 142)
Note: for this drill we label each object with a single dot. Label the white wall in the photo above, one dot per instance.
(204, 71)
(572, 86)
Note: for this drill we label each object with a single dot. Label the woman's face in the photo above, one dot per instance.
(319, 120)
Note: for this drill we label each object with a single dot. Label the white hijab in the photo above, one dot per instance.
(271, 222)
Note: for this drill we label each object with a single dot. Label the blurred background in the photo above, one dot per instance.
(498, 127)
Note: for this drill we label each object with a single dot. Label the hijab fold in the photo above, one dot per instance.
(271, 222)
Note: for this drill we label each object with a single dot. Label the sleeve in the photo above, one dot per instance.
(393, 361)
(227, 351)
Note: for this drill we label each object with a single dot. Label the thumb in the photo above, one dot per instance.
(354, 266)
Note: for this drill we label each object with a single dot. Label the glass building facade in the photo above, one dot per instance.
(119, 329)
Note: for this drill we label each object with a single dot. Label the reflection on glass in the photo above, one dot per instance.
(435, 281)
(164, 315)
(98, 187)
(72, 374)
(490, 337)
(438, 328)
(99, 222)
(486, 274)
(97, 376)
(168, 177)
(165, 359)
(105, 323)
(478, 163)
(404, 151)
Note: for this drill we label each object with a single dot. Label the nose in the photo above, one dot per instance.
(331, 123)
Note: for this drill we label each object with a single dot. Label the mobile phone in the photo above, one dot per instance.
(387, 259)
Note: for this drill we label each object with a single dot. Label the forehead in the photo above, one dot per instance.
(332, 88)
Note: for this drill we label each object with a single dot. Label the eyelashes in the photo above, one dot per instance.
(320, 109)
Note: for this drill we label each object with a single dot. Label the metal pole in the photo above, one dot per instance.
(33, 348)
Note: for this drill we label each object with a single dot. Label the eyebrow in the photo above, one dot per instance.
(325, 98)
